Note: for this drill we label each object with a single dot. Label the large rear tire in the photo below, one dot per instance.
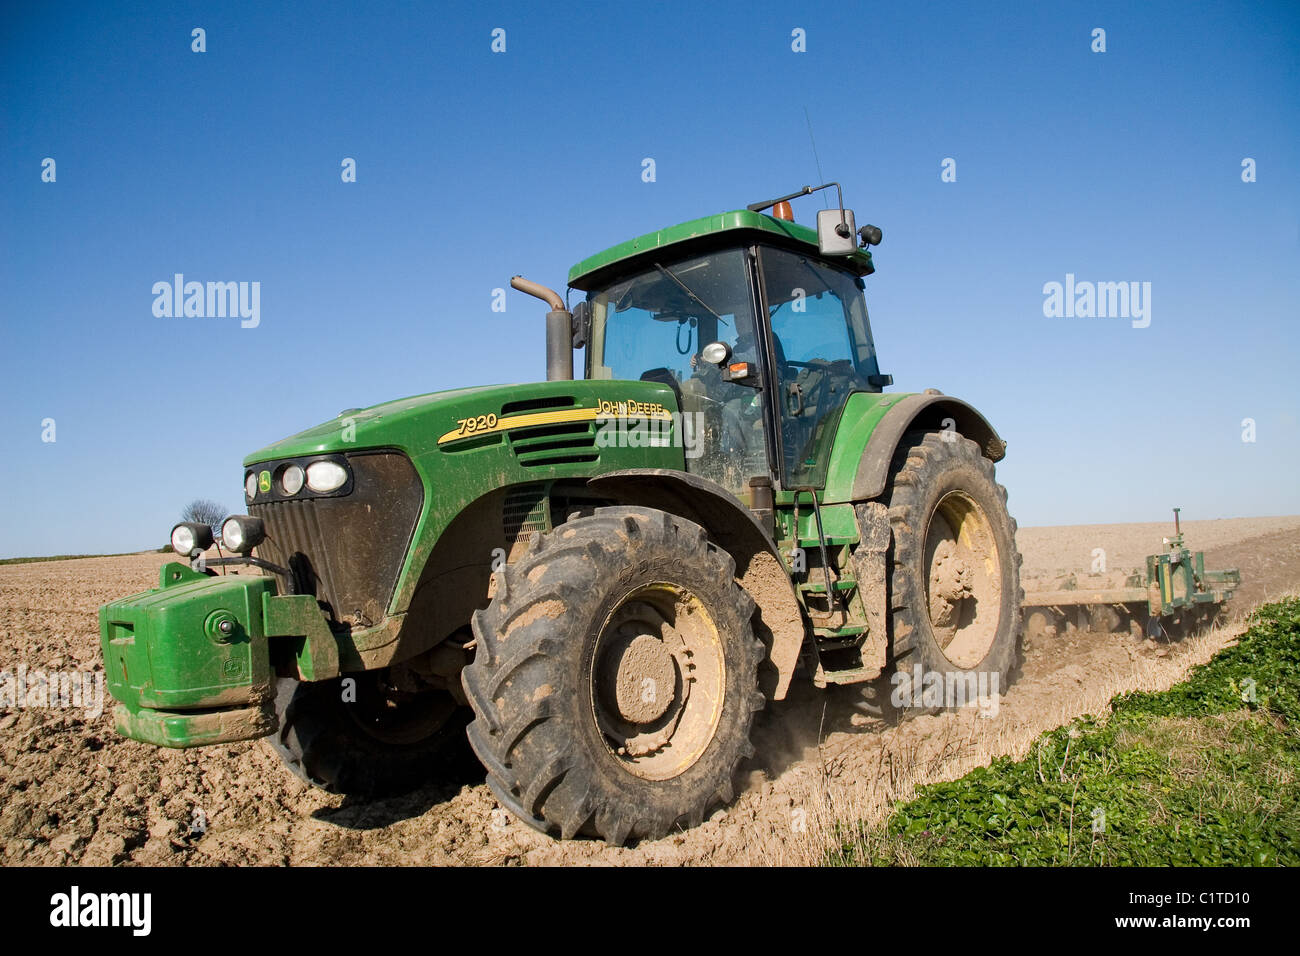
(615, 678)
(955, 596)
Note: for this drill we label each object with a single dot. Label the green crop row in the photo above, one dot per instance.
(1206, 773)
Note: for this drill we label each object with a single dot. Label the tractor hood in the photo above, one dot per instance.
(449, 419)
(418, 463)
(381, 424)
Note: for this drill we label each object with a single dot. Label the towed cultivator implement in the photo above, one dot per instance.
(1173, 597)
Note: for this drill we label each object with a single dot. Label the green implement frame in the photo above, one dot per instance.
(1175, 585)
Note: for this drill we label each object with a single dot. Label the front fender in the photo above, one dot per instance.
(759, 569)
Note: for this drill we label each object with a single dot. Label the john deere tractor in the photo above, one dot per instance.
(599, 581)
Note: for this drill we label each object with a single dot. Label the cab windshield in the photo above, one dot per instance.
(652, 326)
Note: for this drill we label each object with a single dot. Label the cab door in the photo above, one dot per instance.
(821, 353)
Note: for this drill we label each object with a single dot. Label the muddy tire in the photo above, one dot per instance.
(955, 595)
(377, 745)
(615, 678)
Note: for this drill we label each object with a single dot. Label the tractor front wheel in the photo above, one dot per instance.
(615, 677)
(372, 734)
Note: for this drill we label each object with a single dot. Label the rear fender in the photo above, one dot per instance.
(859, 467)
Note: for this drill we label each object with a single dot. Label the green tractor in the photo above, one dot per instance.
(599, 581)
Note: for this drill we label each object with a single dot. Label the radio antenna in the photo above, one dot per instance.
(816, 159)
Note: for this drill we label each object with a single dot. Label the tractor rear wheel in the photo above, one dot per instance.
(955, 596)
(615, 678)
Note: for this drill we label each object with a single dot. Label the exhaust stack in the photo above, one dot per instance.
(559, 330)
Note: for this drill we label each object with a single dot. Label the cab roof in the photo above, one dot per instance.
(735, 227)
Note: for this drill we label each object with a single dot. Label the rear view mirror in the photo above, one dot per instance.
(581, 324)
(836, 232)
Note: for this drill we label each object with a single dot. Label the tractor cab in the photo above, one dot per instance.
(761, 336)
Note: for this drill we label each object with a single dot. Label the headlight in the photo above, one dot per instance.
(715, 353)
(242, 534)
(188, 536)
(250, 486)
(291, 479)
(323, 476)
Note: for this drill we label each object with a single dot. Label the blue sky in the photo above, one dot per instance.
(474, 166)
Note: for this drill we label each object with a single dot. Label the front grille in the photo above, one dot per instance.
(561, 443)
(540, 433)
(554, 444)
(523, 512)
(348, 551)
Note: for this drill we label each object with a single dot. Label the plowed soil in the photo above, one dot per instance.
(73, 792)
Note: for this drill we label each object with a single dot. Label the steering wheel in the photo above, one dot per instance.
(794, 389)
(803, 432)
